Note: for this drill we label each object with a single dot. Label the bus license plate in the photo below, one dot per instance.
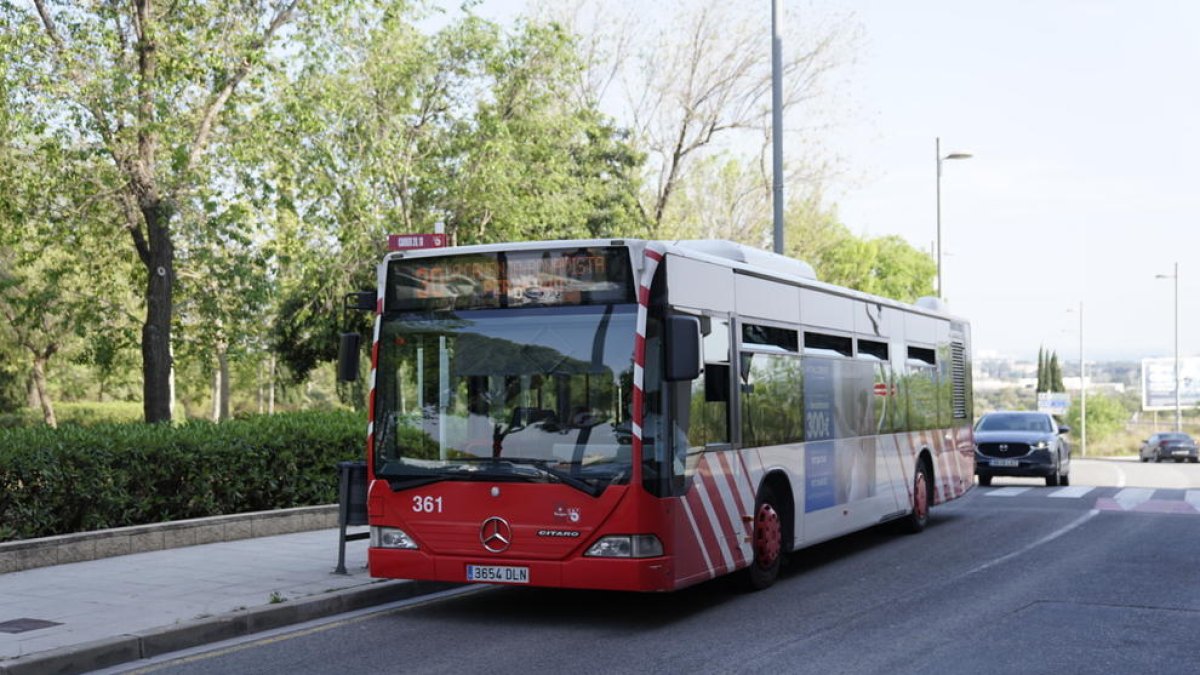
(1004, 462)
(498, 574)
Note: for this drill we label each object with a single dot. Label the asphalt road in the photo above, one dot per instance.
(1100, 577)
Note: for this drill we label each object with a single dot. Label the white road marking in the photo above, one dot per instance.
(1130, 498)
(1007, 492)
(1193, 497)
(1073, 492)
(1044, 540)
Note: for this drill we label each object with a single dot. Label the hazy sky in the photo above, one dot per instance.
(1082, 118)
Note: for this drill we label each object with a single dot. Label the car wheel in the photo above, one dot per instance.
(1193, 460)
(1064, 480)
(985, 481)
(1052, 479)
(1143, 458)
(1157, 458)
(767, 543)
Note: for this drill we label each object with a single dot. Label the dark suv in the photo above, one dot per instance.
(1021, 444)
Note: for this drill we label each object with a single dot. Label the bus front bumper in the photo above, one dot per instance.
(614, 574)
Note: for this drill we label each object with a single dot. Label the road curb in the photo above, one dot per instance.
(24, 554)
(115, 651)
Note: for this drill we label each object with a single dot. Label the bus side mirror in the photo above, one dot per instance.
(361, 300)
(683, 349)
(348, 357)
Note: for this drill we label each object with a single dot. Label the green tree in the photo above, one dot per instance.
(1056, 375)
(1106, 416)
(146, 86)
(56, 291)
(472, 127)
(1042, 372)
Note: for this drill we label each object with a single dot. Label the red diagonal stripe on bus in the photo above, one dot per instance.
(905, 471)
(939, 458)
(707, 529)
(746, 472)
(741, 506)
(689, 558)
(726, 528)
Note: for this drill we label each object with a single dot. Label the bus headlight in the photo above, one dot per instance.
(391, 537)
(627, 546)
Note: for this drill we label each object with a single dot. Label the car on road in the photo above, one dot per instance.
(1022, 443)
(1169, 445)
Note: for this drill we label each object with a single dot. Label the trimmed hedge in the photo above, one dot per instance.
(76, 479)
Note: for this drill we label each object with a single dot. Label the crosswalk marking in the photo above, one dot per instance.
(1193, 497)
(1007, 492)
(1073, 492)
(1140, 500)
(1130, 498)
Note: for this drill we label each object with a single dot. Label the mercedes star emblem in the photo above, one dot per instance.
(495, 534)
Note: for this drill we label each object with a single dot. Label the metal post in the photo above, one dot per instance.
(777, 117)
(1082, 389)
(1178, 409)
(937, 153)
(343, 517)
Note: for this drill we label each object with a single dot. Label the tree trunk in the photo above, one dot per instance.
(39, 382)
(156, 332)
(221, 387)
(32, 399)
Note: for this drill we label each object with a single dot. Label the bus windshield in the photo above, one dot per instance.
(536, 394)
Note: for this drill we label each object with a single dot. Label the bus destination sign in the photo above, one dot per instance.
(408, 242)
(582, 276)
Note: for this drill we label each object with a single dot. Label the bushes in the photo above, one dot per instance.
(76, 478)
(83, 413)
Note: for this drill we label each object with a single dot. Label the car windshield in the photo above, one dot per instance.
(1015, 422)
(537, 394)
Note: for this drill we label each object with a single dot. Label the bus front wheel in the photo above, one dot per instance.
(767, 541)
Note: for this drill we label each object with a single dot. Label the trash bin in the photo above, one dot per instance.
(352, 493)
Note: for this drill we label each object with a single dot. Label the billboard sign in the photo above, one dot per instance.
(1055, 403)
(1158, 383)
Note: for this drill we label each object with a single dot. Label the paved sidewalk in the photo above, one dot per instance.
(83, 616)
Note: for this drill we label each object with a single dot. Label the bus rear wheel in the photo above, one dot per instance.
(919, 518)
(767, 543)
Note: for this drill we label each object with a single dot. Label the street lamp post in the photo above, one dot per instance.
(1178, 408)
(1082, 388)
(937, 152)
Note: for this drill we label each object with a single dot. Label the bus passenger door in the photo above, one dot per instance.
(708, 527)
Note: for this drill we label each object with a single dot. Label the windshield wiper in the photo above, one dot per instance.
(409, 482)
(543, 466)
(565, 477)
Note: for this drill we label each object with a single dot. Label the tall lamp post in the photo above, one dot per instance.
(1178, 409)
(1082, 388)
(937, 147)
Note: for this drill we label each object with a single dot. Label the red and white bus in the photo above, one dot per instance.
(644, 416)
